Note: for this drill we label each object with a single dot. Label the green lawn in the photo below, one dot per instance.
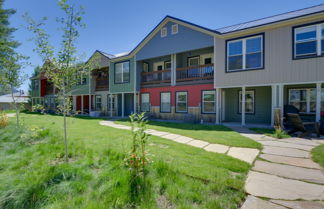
(271, 132)
(318, 154)
(211, 133)
(32, 174)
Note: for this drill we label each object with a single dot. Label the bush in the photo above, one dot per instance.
(38, 108)
(279, 133)
(4, 120)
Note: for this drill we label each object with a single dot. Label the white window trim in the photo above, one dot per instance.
(176, 27)
(240, 101)
(186, 102)
(96, 102)
(203, 101)
(161, 102)
(318, 39)
(308, 98)
(122, 73)
(149, 105)
(191, 58)
(109, 102)
(164, 32)
(244, 53)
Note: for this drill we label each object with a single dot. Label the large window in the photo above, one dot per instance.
(249, 102)
(98, 102)
(245, 54)
(122, 72)
(145, 102)
(165, 105)
(182, 101)
(208, 101)
(309, 41)
(303, 99)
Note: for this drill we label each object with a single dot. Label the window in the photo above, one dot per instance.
(165, 105)
(245, 54)
(98, 102)
(303, 99)
(175, 29)
(249, 102)
(145, 67)
(207, 61)
(193, 61)
(208, 102)
(111, 101)
(181, 102)
(122, 72)
(167, 65)
(164, 32)
(145, 102)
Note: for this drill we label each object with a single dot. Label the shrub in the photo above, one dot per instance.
(279, 133)
(38, 108)
(4, 120)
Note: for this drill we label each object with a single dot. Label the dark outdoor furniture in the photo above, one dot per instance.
(307, 128)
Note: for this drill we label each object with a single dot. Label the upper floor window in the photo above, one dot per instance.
(245, 54)
(309, 41)
(164, 32)
(174, 29)
(122, 74)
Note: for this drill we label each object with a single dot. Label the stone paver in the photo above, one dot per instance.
(287, 145)
(256, 203)
(158, 133)
(218, 148)
(245, 154)
(171, 136)
(300, 141)
(300, 204)
(183, 139)
(289, 152)
(11, 115)
(274, 187)
(319, 141)
(292, 172)
(198, 143)
(302, 162)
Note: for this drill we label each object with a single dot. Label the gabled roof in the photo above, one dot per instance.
(110, 56)
(272, 19)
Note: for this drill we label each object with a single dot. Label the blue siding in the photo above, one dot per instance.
(185, 40)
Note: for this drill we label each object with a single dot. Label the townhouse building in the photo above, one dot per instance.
(238, 74)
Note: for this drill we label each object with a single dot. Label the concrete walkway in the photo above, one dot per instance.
(245, 154)
(284, 174)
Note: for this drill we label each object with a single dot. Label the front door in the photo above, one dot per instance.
(129, 104)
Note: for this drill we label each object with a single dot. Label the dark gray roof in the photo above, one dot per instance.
(272, 19)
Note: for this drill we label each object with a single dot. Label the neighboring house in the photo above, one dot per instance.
(7, 103)
(240, 73)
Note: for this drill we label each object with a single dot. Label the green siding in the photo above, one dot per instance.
(262, 108)
(121, 87)
(35, 90)
(80, 89)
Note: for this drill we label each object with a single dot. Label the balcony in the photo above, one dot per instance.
(102, 84)
(161, 76)
(194, 73)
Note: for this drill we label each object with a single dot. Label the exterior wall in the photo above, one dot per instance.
(262, 105)
(279, 64)
(194, 102)
(122, 87)
(182, 58)
(35, 91)
(185, 40)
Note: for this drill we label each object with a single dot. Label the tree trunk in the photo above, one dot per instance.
(65, 137)
(16, 108)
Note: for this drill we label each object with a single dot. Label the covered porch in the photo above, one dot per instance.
(123, 104)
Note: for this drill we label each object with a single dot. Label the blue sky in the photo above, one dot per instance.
(118, 26)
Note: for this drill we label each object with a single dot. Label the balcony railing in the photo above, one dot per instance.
(102, 84)
(201, 72)
(161, 76)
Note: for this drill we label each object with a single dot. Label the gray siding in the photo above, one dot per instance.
(279, 65)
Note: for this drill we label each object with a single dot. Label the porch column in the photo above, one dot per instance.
(135, 98)
(273, 102)
(90, 103)
(243, 106)
(74, 103)
(217, 119)
(111, 103)
(173, 69)
(318, 101)
(281, 101)
(82, 104)
(123, 104)
(90, 80)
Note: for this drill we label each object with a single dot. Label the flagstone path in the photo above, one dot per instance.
(284, 176)
(245, 154)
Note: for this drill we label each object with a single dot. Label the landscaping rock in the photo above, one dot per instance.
(290, 152)
(301, 162)
(245, 154)
(292, 172)
(216, 148)
(256, 203)
(300, 204)
(274, 187)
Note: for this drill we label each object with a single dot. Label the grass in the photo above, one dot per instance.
(271, 132)
(211, 133)
(33, 175)
(318, 154)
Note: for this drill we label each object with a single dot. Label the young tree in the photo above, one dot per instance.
(11, 62)
(63, 68)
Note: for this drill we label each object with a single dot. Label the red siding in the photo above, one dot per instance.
(43, 87)
(78, 103)
(194, 93)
